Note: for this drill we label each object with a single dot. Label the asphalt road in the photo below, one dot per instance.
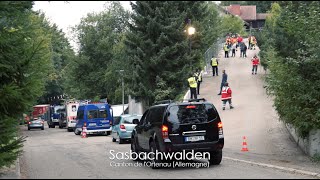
(56, 153)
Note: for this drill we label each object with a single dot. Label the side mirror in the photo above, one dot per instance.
(135, 121)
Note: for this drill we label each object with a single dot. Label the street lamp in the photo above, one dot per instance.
(121, 72)
(191, 31)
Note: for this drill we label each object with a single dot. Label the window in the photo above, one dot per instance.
(186, 114)
(156, 114)
(116, 120)
(129, 120)
(80, 114)
(143, 119)
(102, 113)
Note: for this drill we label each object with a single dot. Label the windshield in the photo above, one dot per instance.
(128, 120)
(59, 109)
(192, 113)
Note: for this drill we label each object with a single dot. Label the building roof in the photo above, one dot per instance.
(247, 13)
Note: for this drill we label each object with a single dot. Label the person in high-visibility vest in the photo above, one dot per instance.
(226, 50)
(193, 86)
(226, 96)
(214, 64)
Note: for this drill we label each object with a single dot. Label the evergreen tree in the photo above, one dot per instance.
(24, 64)
(101, 53)
(157, 48)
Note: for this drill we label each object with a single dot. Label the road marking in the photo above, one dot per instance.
(276, 167)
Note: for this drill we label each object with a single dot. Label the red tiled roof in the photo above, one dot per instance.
(234, 9)
(244, 12)
(248, 12)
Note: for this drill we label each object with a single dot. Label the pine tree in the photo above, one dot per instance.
(24, 62)
(158, 49)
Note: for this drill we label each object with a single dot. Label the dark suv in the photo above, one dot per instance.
(180, 126)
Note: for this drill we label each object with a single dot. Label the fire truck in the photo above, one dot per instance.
(42, 111)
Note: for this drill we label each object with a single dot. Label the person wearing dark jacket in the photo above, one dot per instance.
(224, 80)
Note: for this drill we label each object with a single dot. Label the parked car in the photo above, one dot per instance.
(36, 123)
(123, 126)
(180, 126)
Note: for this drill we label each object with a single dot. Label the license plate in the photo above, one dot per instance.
(194, 138)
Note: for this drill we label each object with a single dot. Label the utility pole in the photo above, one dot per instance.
(121, 72)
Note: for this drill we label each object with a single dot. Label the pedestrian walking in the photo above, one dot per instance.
(226, 96)
(193, 86)
(255, 62)
(224, 80)
(226, 50)
(214, 64)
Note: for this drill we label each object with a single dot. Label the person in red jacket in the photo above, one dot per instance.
(255, 62)
(226, 96)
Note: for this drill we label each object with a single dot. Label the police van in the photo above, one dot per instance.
(96, 117)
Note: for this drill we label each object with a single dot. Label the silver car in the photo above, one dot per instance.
(36, 124)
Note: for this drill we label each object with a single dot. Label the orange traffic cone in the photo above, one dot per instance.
(244, 144)
(84, 132)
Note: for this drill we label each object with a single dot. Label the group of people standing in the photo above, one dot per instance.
(233, 42)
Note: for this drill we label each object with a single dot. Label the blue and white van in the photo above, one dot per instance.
(96, 117)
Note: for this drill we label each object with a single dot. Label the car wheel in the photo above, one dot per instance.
(113, 139)
(108, 133)
(60, 127)
(42, 128)
(154, 161)
(215, 157)
(121, 141)
(135, 150)
(76, 132)
(69, 130)
(28, 129)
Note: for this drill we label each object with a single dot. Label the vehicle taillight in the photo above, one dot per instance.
(165, 131)
(29, 122)
(220, 129)
(110, 122)
(191, 107)
(122, 127)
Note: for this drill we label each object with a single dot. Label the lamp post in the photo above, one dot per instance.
(191, 31)
(121, 72)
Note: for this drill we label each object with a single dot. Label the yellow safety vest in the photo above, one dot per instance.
(192, 82)
(214, 62)
(225, 47)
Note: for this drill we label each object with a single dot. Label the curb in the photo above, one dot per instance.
(18, 171)
(276, 167)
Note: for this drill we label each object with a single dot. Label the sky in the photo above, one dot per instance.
(66, 14)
